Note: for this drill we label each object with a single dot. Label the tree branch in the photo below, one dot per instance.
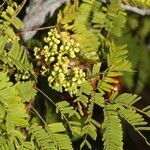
(136, 10)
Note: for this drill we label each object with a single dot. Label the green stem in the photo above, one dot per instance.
(38, 115)
(63, 116)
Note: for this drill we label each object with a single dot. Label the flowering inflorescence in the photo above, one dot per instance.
(58, 52)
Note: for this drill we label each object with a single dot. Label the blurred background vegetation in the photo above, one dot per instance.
(137, 37)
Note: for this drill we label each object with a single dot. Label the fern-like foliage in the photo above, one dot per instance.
(66, 111)
(90, 125)
(130, 99)
(26, 90)
(111, 18)
(11, 52)
(94, 107)
(84, 33)
(17, 56)
(52, 137)
(133, 115)
(135, 120)
(121, 108)
(112, 128)
(117, 64)
(27, 145)
(13, 104)
(86, 101)
(117, 59)
(61, 140)
(10, 103)
(41, 138)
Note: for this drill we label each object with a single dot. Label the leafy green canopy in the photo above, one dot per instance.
(94, 28)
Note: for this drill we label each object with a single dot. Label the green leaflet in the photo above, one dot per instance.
(147, 110)
(117, 58)
(12, 53)
(127, 98)
(136, 120)
(98, 99)
(112, 129)
(27, 145)
(64, 108)
(117, 64)
(10, 16)
(3, 42)
(90, 124)
(132, 117)
(41, 137)
(112, 122)
(61, 140)
(52, 137)
(111, 18)
(86, 88)
(96, 68)
(84, 34)
(26, 90)
(18, 56)
(66, 111)
(10, 104)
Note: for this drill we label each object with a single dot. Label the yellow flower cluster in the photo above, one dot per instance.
(57, 54)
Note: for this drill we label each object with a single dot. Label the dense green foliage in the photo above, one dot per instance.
(66, 87)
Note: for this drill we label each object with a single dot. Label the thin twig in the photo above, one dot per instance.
(51, 102)
(46, 96)
(38, 115)
(37, 29)
(137, 10)
(63, 116)
(21, 6)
